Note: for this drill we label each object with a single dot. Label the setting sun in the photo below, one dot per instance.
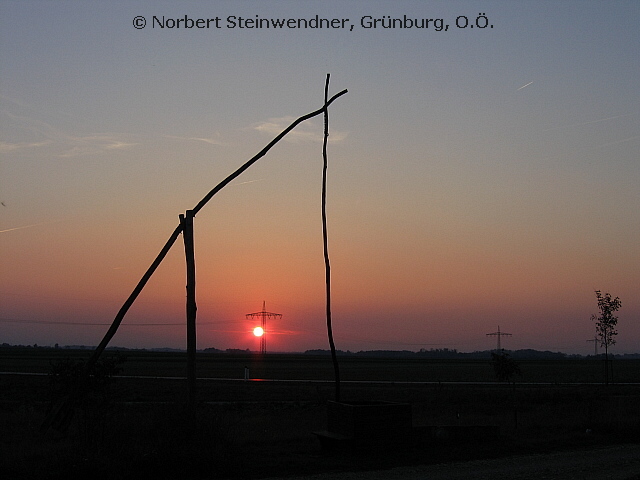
(258, 331)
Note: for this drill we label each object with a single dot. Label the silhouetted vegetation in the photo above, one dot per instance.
(504, 366)
(73, 388)
(446, 353)
(606, 323)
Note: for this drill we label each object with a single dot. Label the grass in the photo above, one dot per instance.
(259, 429)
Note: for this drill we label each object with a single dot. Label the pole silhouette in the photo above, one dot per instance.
(325, 242)
(187, 236)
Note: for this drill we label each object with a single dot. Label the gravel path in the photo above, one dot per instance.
(620, 462)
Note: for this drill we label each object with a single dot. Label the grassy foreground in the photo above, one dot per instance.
(140, 427)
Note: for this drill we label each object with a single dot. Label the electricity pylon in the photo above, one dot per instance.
(263, 315)
(595, 345)
(498, 334)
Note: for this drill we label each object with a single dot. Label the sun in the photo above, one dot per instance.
(258, 331)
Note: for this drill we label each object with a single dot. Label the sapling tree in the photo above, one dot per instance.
(69, 386)
(606, 323)
(504, 366)
(505, 369)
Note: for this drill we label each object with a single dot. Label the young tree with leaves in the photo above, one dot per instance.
(504, 366)
(505, 369)
(606, 324)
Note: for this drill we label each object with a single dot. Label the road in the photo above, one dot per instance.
(621, 462)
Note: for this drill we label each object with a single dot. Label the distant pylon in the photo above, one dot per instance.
(263, 315)
(595, 345)
(498, 334)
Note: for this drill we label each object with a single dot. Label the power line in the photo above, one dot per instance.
(51, 322)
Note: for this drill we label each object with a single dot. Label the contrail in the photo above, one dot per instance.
(249, 181)
(524, 86)
(28, 226)
(602, 119)
(592, 121)
(618, 141)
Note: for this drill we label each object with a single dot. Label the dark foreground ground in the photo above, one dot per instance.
(140, 427)
(619, 462)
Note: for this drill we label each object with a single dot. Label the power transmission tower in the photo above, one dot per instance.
(263, 315)
(595, 345)
(498, 334)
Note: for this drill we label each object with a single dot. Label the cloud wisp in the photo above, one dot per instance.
(6, 147)
(94, 144)
(307, 132)
(35, 133)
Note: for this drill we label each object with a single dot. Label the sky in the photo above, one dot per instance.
(477, 177)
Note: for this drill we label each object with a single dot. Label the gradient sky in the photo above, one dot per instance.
(477, 177)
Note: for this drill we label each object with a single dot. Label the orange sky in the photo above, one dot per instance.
(475, 179)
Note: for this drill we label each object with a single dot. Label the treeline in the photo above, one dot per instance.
(442, 353)
(446, 353)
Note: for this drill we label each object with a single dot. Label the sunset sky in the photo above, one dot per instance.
(478, 177)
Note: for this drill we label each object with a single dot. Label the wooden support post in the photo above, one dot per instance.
(187, 234)
(327, 264)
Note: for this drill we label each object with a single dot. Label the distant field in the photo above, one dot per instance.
(310, 367)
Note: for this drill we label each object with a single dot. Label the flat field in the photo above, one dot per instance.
(319, 367)
(139, 426)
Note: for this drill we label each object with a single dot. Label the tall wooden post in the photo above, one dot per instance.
(187, 235)
(327, 265)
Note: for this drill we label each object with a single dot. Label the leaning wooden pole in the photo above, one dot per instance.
(127, 304)
(327, 265)
(187, 235)
(61, 415)
(263, 152)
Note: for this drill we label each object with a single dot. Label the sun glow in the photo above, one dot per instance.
(258, 331)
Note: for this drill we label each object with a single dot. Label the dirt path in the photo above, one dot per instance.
(612, 463)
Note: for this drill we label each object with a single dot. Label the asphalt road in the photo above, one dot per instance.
(621, 462)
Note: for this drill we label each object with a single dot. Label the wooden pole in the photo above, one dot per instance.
(327, 265)
(127, 304)
(187, 235)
